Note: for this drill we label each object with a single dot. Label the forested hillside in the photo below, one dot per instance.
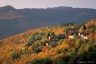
(65, 44)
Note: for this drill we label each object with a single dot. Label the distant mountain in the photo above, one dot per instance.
(13, 21)
(8, 12)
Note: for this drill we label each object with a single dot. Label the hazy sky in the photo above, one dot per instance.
(48, 3)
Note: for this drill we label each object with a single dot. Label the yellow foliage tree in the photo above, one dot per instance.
(30, 49)
(78, 43)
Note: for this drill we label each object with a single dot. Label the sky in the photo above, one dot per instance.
(19, 4)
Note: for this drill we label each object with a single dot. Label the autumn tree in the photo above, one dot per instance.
(30, 49)
(78, 43)
(24, 50)
(14, 54)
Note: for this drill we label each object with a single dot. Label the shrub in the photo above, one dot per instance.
(65, 50)
(58, 61)
(73, 59)
(66, 58)
(38, 37)
(41, 61)
(37, 49)
(14, 55)
(58, 51)
(76, 49)
(60, 42)
(30, 41)
(88, 48)
(60, 36)
(91, 56)
(73, 53)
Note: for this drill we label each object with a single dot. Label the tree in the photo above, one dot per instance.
(78, 43)
(81, 50)
(37, 49)
(76, 49)
(77, 27)
(24, 50)
(58, 51)
(91, 56)
(65, 50)
(30, 41)
(52, 34)
(44, 48)
(60, 42)
(14, 55)
(0, 43)
(88, 48)
(73, 53)
(73, 59)
(93, 30)
(41, 61)
(30, 50)
(47, 34)
(84, 27)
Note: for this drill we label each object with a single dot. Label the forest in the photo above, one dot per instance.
(64, 44)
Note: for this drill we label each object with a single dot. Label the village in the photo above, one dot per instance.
(53, 40)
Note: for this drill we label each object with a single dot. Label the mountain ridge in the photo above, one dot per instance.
(14, 21)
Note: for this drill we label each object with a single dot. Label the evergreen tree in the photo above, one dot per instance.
(84, 27)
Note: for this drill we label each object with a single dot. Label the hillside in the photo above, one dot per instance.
(14, 21)
(51, 45)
